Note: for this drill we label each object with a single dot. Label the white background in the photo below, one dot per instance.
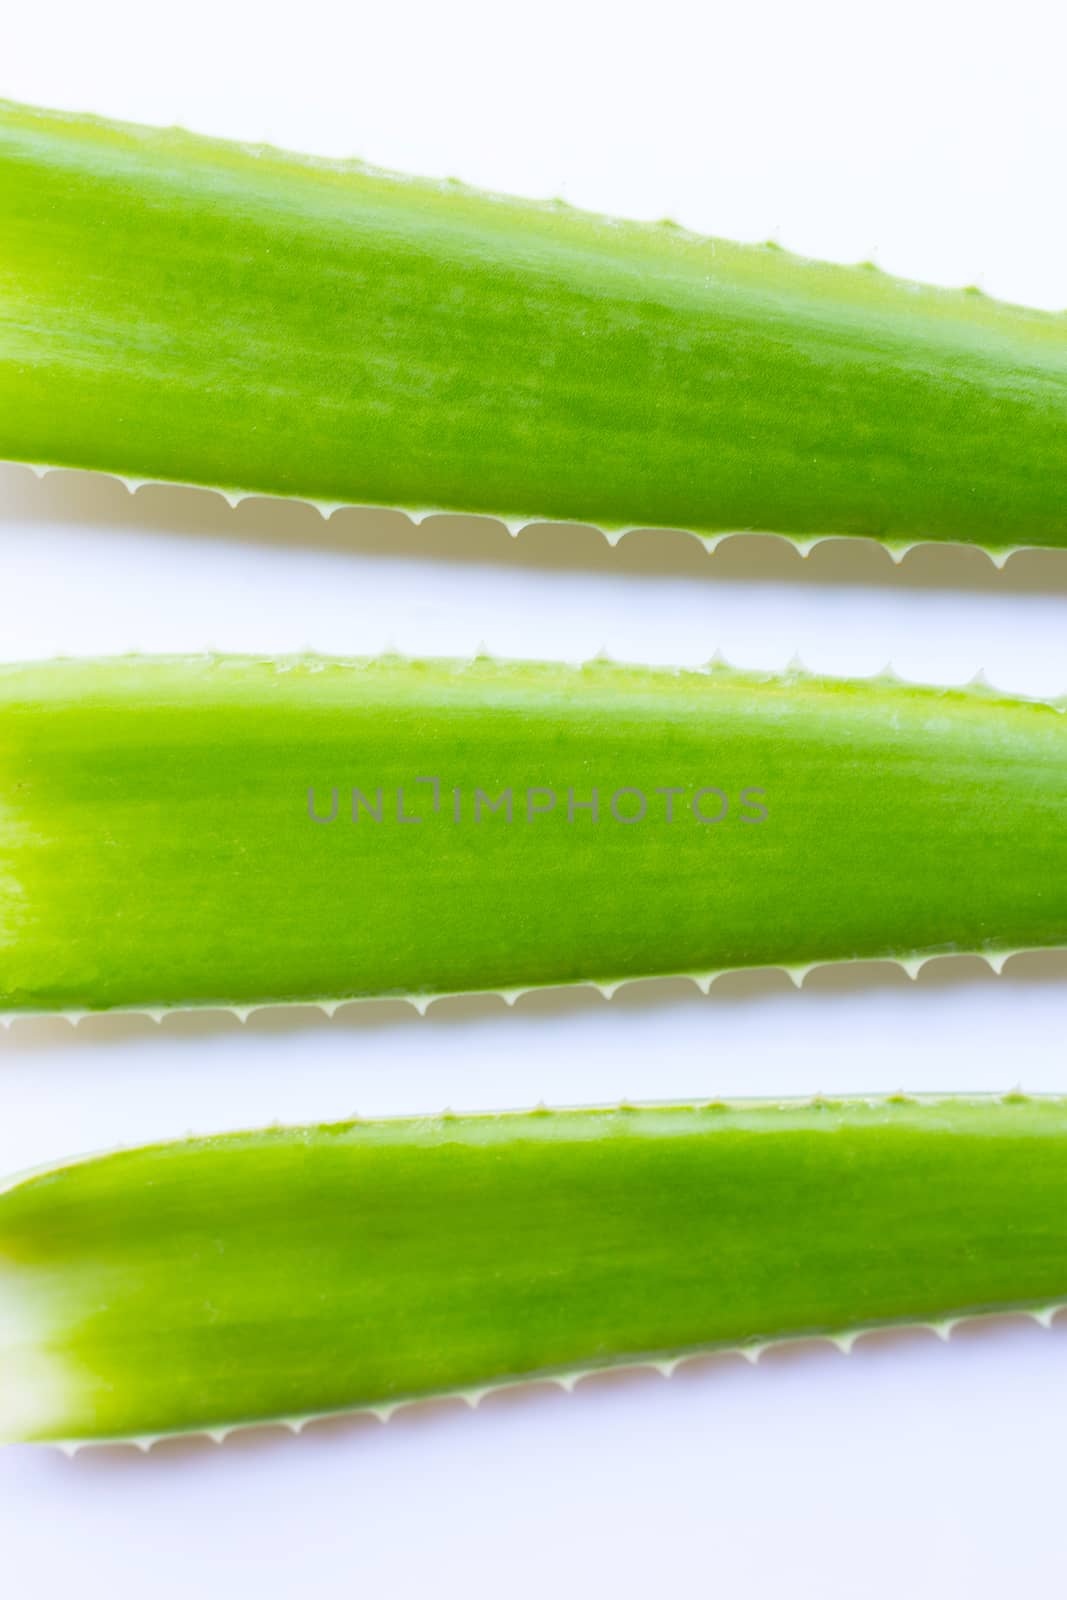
(928, 136)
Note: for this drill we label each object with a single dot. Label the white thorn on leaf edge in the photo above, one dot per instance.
(797, 973)
(804, 544)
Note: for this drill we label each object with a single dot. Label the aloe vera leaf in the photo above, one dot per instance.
(166, 835)
(295, 1272)
(180, 308)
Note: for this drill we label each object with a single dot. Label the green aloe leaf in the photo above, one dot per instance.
(179, 308)
(295, 1272)
(225, 830)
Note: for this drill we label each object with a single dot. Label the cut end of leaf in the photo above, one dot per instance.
(39, 1388)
